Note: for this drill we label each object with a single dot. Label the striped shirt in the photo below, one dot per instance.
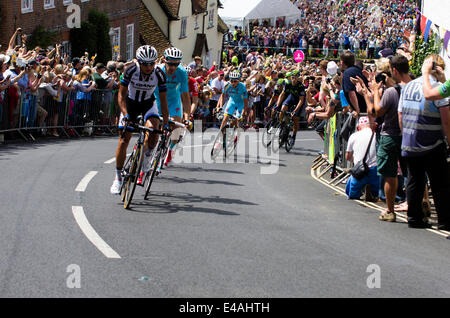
(421, 120)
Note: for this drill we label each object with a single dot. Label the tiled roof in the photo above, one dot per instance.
(151, 33)
(199, 6)
(171, 7)
(222, 26)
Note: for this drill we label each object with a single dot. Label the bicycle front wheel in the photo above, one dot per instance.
(136, 167)
(217, 145)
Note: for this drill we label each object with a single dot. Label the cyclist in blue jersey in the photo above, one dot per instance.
(238, 99)
(136, 96)
(178, 97)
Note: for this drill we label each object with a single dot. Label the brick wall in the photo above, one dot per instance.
(120, 12)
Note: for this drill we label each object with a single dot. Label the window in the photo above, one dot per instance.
(130, 42)
(183, 27)
(66, 48)
(49, 4)
(211, 18)
(115, 42)
(67, 2)
(27, 6)
(196, 23)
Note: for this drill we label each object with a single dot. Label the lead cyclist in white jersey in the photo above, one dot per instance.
(136, 97)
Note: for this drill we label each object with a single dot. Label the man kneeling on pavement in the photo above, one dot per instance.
(358, 144)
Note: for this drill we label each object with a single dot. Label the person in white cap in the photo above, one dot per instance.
(358, 144)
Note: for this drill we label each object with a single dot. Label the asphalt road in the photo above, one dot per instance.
(208, 230)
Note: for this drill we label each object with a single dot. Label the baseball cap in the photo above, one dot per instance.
(386, 53)
(363, 121)
(332, 68)
(5, 58)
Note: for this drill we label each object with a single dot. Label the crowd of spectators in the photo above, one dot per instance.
(327, 27)
(32, 78)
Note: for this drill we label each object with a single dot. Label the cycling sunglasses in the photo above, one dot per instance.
(148, 64)
(173, 64)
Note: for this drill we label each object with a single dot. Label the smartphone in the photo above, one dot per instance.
(434, 65)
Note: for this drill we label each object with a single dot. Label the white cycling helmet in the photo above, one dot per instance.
(146, 54)
(173, 53)
(235, 75)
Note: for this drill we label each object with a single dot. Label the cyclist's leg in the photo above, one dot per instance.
(283, 111)
(121, 154)
(176, 113)
(151, 121)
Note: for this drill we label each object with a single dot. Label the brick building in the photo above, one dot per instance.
(191, 25)
(52, 15)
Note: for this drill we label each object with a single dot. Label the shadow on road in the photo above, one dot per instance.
(200, 169)
(163, 202)
(194, 180)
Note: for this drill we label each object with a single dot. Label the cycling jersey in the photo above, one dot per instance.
(142, 87)
(177, 84)
(296, 90)
(141, 92)
(236, 102)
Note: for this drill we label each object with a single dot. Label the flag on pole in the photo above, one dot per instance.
(446, 39)
(423, 24)
(427, 30)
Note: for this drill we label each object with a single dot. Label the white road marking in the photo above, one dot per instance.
(85, 181)
(110, 161)
(91, 234)
(107, 162)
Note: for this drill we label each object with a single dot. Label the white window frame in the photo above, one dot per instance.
(26, 9)
(196, 26)
(130, 42)
(113, 43)
(66, 48)
(183, 27)
(211, 18)
(49, 4)
(67, 2)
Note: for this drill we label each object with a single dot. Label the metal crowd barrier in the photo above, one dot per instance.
(72, 114)
(335, 143)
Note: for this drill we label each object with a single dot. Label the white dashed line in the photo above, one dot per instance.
(81, 187)
(91, 234)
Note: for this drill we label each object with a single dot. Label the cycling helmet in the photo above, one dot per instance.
(146, 54)
(173, 53)
(235, 75)
(295, 72)
(288, 74)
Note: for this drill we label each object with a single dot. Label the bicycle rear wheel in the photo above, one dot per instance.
(155, 164)
(136, 167)
(289, 141)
